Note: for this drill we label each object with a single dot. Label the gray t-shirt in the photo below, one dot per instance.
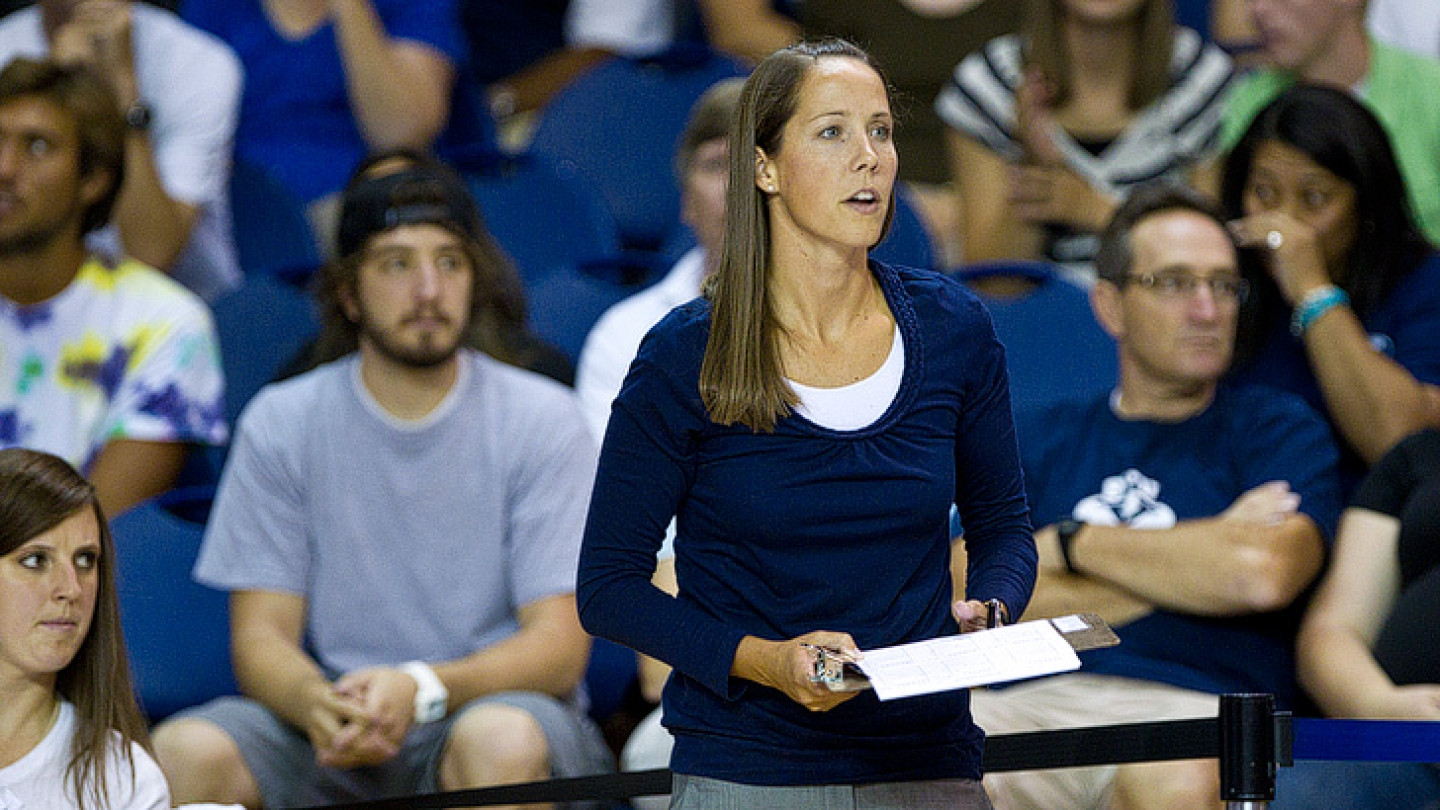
(409, 540)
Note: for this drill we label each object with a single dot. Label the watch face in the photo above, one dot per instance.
(138, 116)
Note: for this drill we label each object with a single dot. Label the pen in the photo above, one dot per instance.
(831, 652)
(993, 615)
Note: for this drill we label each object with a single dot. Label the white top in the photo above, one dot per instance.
(1410, 24)
(859, 404)
(615, 337)
(37, 781)
(627, 27)
(191, 82)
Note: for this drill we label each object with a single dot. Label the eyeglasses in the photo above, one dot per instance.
(1223, 288)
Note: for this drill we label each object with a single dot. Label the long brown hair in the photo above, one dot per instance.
(1045, 48)
(38, 492)
(498, 309)
(741, 379)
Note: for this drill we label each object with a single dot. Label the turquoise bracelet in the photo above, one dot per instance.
(1313, 305)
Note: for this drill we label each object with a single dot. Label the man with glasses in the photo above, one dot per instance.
(1189, 514)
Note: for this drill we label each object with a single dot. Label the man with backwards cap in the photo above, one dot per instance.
(399, 531)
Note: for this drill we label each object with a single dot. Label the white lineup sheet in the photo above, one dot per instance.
(1024, 650)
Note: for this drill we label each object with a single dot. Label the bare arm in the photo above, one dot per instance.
(538, 83)
(1375, 401)
(547, 654)
(747, 28)
(1335, 661)
(1256, 557)
(989, 229)
(400, 91)
(128, 471)
(1060, 593)
(154, 227)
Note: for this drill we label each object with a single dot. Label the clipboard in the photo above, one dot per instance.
(1085, 631)
(1014, 652)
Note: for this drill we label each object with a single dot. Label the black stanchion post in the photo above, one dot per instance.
(1247, 751)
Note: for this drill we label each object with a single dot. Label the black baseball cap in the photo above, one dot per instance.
(419, 194)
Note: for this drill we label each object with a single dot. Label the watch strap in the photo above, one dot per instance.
(1065, 531)
(431, 696)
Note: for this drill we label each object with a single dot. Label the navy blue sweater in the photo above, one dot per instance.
(806, 529)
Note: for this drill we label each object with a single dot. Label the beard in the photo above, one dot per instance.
(431, 351)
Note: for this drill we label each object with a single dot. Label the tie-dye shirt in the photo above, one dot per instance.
(121, 353)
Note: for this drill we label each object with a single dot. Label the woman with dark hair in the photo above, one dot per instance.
(808, 423)
(1346, 310)
(1051, 128)
(71, 735)
(1367, 646)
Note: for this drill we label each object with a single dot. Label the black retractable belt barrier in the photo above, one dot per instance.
(1247, 750)
(1249, 738)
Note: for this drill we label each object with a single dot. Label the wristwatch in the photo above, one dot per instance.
(432, 699)
(137, 116)
(1065, 530)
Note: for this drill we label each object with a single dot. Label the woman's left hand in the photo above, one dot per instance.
(972, 614)
(1291, 249)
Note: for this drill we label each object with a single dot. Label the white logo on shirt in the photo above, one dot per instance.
(1129, 499)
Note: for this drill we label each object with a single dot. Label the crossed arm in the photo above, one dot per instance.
(362, 717)
(1257, 556)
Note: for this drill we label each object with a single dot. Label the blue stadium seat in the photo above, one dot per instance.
(177, 631)
(262, 324)
(1053, 345)
(566, 304)
(908, 242)
(272, 233)
(617, 125)
(546, 219)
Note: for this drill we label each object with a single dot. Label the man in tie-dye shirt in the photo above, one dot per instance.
(103, 361)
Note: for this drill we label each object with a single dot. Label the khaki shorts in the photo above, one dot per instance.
(1075, 701)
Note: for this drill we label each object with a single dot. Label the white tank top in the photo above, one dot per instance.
(859, 404)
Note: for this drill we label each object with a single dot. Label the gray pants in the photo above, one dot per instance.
(280, 758)
(700, 793)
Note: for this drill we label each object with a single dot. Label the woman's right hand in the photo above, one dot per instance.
(788, 666)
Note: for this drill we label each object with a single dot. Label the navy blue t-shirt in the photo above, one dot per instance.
(1404, 327)
(807, 528)
(1083, 461)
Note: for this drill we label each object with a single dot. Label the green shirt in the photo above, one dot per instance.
(1401, 90)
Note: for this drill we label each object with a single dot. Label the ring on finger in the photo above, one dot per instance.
(1274, 240)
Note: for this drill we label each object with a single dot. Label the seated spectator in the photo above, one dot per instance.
(1325, 42)
(399, 531)
(327, 83)
(1051, 128)
(71, 735)
(1189, 515)
(702, 165)
(1346, 310)
(500, 328)
(180, 90)
(1410, 24)
(1367, 646)
(108, 364)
